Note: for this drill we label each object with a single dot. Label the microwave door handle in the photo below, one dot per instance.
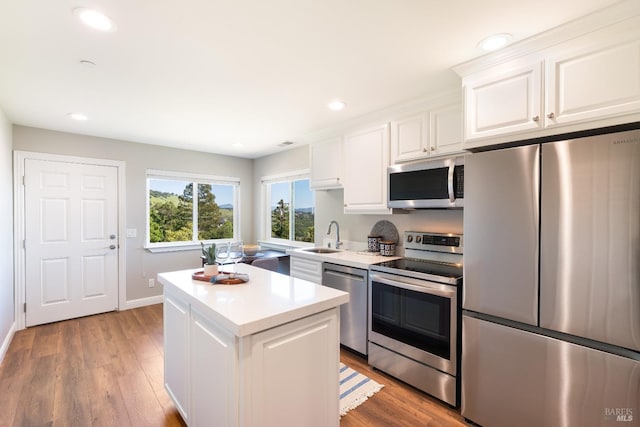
(424, 287)
(452, 195)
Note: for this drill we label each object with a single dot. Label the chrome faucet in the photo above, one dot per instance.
(338, 242)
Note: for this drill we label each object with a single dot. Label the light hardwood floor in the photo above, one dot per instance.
(106, 370)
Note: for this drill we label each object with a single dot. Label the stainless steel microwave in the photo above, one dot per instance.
(427, 184)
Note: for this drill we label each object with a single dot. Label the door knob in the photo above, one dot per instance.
(535, 118)
(112, 237)
(112, 247)
(551, 115)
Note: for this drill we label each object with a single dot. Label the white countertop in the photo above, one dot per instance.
(269, 299)
(342, 257)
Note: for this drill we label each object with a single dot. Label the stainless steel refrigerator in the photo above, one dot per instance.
(551, 299)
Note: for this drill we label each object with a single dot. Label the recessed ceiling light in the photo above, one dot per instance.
(336, 105)
(238, 144)
(494, 42)
(94, 19)
(78, 116)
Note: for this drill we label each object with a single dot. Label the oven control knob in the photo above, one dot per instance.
(418, 239)
(409, 238)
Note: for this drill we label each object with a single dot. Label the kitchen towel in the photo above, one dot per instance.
(355, 388)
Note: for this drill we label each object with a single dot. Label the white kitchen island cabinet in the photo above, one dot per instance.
(264, 353)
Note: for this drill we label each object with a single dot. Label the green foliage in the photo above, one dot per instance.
(303, 228)
(209, 253)
(171, 216)
(280, 220)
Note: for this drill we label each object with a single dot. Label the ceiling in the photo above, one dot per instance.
(211, 75)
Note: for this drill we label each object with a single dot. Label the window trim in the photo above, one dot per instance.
(196, 178)
(291, 176)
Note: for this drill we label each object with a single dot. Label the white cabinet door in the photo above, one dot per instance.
(326, 164)
(410, 138)
(288, 372)
(504, 100)
(302, 268)
(214, 382)
(592, 82)
(366, 157)
(445, 130)
(176, 353)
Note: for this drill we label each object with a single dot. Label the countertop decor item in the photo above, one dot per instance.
(251, 250)
(386, 230)
(387, 248)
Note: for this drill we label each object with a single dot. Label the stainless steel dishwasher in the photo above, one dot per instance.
(353, 315)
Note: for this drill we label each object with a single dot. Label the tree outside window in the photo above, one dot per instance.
(292, 209)
(174, 217)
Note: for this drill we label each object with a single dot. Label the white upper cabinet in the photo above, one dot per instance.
(366, 157)
(504, 99)
(445, 130)
(326, 164)
(593, 78)
(430, 133)
(569, 81)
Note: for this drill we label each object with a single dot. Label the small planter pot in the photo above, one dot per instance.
(211, 269)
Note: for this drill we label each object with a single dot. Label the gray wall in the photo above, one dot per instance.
(7, 310)
(141, 264)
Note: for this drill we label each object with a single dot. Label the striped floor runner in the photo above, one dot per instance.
(355, 388)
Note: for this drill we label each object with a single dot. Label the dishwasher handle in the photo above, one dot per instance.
(345, 276)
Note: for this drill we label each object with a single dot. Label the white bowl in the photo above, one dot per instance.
(251, 250)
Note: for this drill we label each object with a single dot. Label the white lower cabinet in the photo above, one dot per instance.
(285, 383)
(285, 375)
(306, 269)
(213, 376)
(176, 355)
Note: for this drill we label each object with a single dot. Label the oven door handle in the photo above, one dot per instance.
(424, 287)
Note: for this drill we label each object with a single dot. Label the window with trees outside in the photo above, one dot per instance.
(291, 208)
(186, 209)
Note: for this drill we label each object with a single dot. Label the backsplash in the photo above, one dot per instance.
(354, 229)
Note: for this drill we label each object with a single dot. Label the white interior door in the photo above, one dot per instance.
(71, 243)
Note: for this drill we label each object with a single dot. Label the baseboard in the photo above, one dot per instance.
(141, 302)
(7, 341)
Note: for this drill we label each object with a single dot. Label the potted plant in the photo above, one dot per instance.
(209, 253)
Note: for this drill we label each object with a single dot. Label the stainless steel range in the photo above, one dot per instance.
(414, 314)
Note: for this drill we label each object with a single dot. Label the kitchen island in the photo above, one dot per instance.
(263, 353)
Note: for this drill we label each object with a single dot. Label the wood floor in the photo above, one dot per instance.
(106, 370)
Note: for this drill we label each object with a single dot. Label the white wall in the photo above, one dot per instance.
(141, 264)
(7, 310)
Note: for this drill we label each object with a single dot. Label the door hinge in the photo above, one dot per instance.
(25, 307)
(24, 243)
(23, 181)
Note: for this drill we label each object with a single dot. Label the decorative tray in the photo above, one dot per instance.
(221, 279)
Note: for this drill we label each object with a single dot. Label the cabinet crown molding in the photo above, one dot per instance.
(625, 10)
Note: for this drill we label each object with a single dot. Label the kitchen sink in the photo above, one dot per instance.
(321, 250)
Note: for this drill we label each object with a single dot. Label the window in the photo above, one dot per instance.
(290, 208)
(175, 220)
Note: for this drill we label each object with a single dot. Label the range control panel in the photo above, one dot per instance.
(439, 242)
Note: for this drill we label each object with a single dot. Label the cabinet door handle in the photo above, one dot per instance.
(551, 115)
(536, 118)
(424, 150)
(433, 148)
